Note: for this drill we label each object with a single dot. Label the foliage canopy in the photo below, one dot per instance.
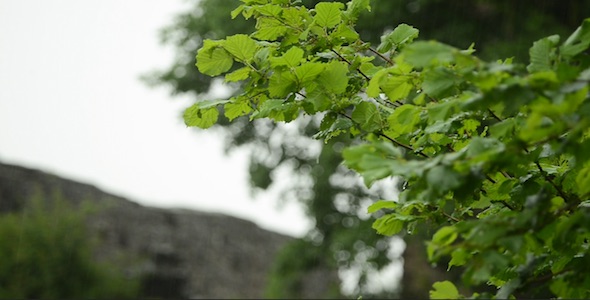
(493, 154)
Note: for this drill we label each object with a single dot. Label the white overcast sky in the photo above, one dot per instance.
(72, 104)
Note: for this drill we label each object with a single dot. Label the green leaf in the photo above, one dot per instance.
(445, 236)
(355, 7)
(396, 87)
(374, 168)
(234, 13)
(404, 119)
(378, 160)
(238, 75)
(241, 46)
(444, 290)
(269, 106)
(442, 110)
(328, 14)
(388, 225)
(482, 149)
(560, 264)
(237, 108)
(442, 179)
(319, 99)
(542, 54)
(278, 110)
(400, 36)
(291, 58)
(213, 60)
(503, 129)
(395, 82)
(200, 117)
(343, 34)
(332, 127)
(281, 84)
(459, 257)
(334, 78)
(381, 204)
(583, 181)
(270, 10)
(373, 88)
(403, 34)
(308, 72)
(431, 53)
(268, 29)
(578, 41)
(367, 116)
(438, 81)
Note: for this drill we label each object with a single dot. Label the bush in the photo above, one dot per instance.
(46, 253)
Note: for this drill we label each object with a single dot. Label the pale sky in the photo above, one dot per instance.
(72, 104)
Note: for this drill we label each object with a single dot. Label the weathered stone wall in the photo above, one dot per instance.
(178, 253)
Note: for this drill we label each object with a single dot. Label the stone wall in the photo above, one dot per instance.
(178, 253)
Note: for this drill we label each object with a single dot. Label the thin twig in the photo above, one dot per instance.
(403, 145)
(350, 64)
(494, 115)
(451, 217)
(395, 104)
(383, 57)
(555, 186)
(490, 179)
(391, 139)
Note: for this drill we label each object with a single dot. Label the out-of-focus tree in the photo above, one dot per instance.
(331, 195)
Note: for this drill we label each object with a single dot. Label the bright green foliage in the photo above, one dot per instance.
(494, 154)
(46, 254)
(213, 59)
(328, 14)
(444, 290)
(204, 114)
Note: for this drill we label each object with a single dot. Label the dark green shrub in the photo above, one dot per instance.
(45, 252)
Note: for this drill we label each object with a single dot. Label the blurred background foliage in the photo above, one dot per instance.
(46, 253)
(342, 236)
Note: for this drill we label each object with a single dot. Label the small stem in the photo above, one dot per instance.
(350, 64)
(403, 145)
(451, 217)
(394, 104)
(432, 99)
(494, 115)
(490, 179)
(383, 57)
(555, 186)
(506, 204)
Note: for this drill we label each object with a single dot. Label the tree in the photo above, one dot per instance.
(493, 154)
(333, 237)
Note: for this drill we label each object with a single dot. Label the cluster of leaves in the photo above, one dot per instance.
(493, 154)
(46, 254)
